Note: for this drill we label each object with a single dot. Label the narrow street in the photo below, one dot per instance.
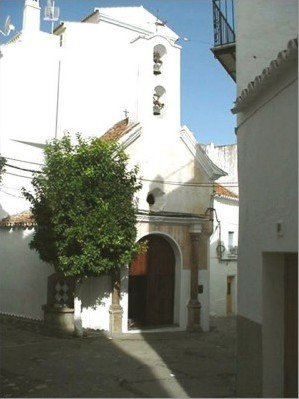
(38, 363)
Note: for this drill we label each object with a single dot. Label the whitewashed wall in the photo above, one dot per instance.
(226, 157)
(268, 172)
(268, 189)
(263, 28)
(23, 283)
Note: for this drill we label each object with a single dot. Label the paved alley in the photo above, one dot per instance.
(38, 363)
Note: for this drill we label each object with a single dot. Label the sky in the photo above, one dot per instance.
(207, 91)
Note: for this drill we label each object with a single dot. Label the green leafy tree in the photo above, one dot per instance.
(2, 167)
(83, 206)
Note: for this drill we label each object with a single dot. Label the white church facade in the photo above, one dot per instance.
(116, 74)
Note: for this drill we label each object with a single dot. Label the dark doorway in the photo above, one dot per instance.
(151, 284)
(291, 326)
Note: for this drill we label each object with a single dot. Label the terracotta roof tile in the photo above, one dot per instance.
(118, 130)
(223, 192)
(23, 219)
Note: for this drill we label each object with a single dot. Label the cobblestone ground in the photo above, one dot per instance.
(36, 362)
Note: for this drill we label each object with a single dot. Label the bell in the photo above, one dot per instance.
(157, 110)
(157, 69)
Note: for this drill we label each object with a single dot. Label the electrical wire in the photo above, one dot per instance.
(20, 160)
(11, 195)
(23, 169)
(174, 183)
(14, 174)
(10, 188)
(197, 184)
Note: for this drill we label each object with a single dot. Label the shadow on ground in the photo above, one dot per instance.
(38, 363)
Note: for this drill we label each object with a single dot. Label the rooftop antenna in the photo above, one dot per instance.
(8, 27)
(51, 13)
(158, 22)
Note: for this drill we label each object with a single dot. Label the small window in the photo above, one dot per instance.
(230, 239)
(61, 40)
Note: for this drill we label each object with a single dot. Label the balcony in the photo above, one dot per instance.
(224, 35)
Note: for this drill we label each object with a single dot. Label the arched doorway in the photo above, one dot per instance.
(151, 284)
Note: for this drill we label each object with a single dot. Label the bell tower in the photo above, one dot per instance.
(31, 16)
(158, 82)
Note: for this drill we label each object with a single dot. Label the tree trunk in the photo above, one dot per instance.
(115, 310)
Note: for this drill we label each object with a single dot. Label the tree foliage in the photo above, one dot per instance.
(2, 167)
(83, 206)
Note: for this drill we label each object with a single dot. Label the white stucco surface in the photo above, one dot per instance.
(23, 282)
(226, 157)
(263, 28)
(268, 175)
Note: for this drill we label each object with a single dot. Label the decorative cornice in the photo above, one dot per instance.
(283, 60)
(198, 152)
(113, 21)
(186, 220)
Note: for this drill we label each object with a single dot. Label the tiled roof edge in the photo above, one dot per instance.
(223, 192)
(283, 59)
(21, 220)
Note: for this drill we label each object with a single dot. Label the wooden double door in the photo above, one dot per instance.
(151, 284)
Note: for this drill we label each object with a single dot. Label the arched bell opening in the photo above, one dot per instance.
(158, 97)
(158, 55)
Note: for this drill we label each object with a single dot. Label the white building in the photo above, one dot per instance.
(267, 129)
(83, 78)
(224, 240)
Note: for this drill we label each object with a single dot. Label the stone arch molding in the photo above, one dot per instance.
(158, 38)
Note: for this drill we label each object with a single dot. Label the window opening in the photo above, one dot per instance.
(230, 239)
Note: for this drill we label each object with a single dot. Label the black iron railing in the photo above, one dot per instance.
(223, 17)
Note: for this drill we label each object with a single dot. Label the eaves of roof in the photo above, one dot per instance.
(21, 220)
(283, 60)
(16, 38)
(223, 192)
(96, 11)
(212, 170)
(117, 131)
